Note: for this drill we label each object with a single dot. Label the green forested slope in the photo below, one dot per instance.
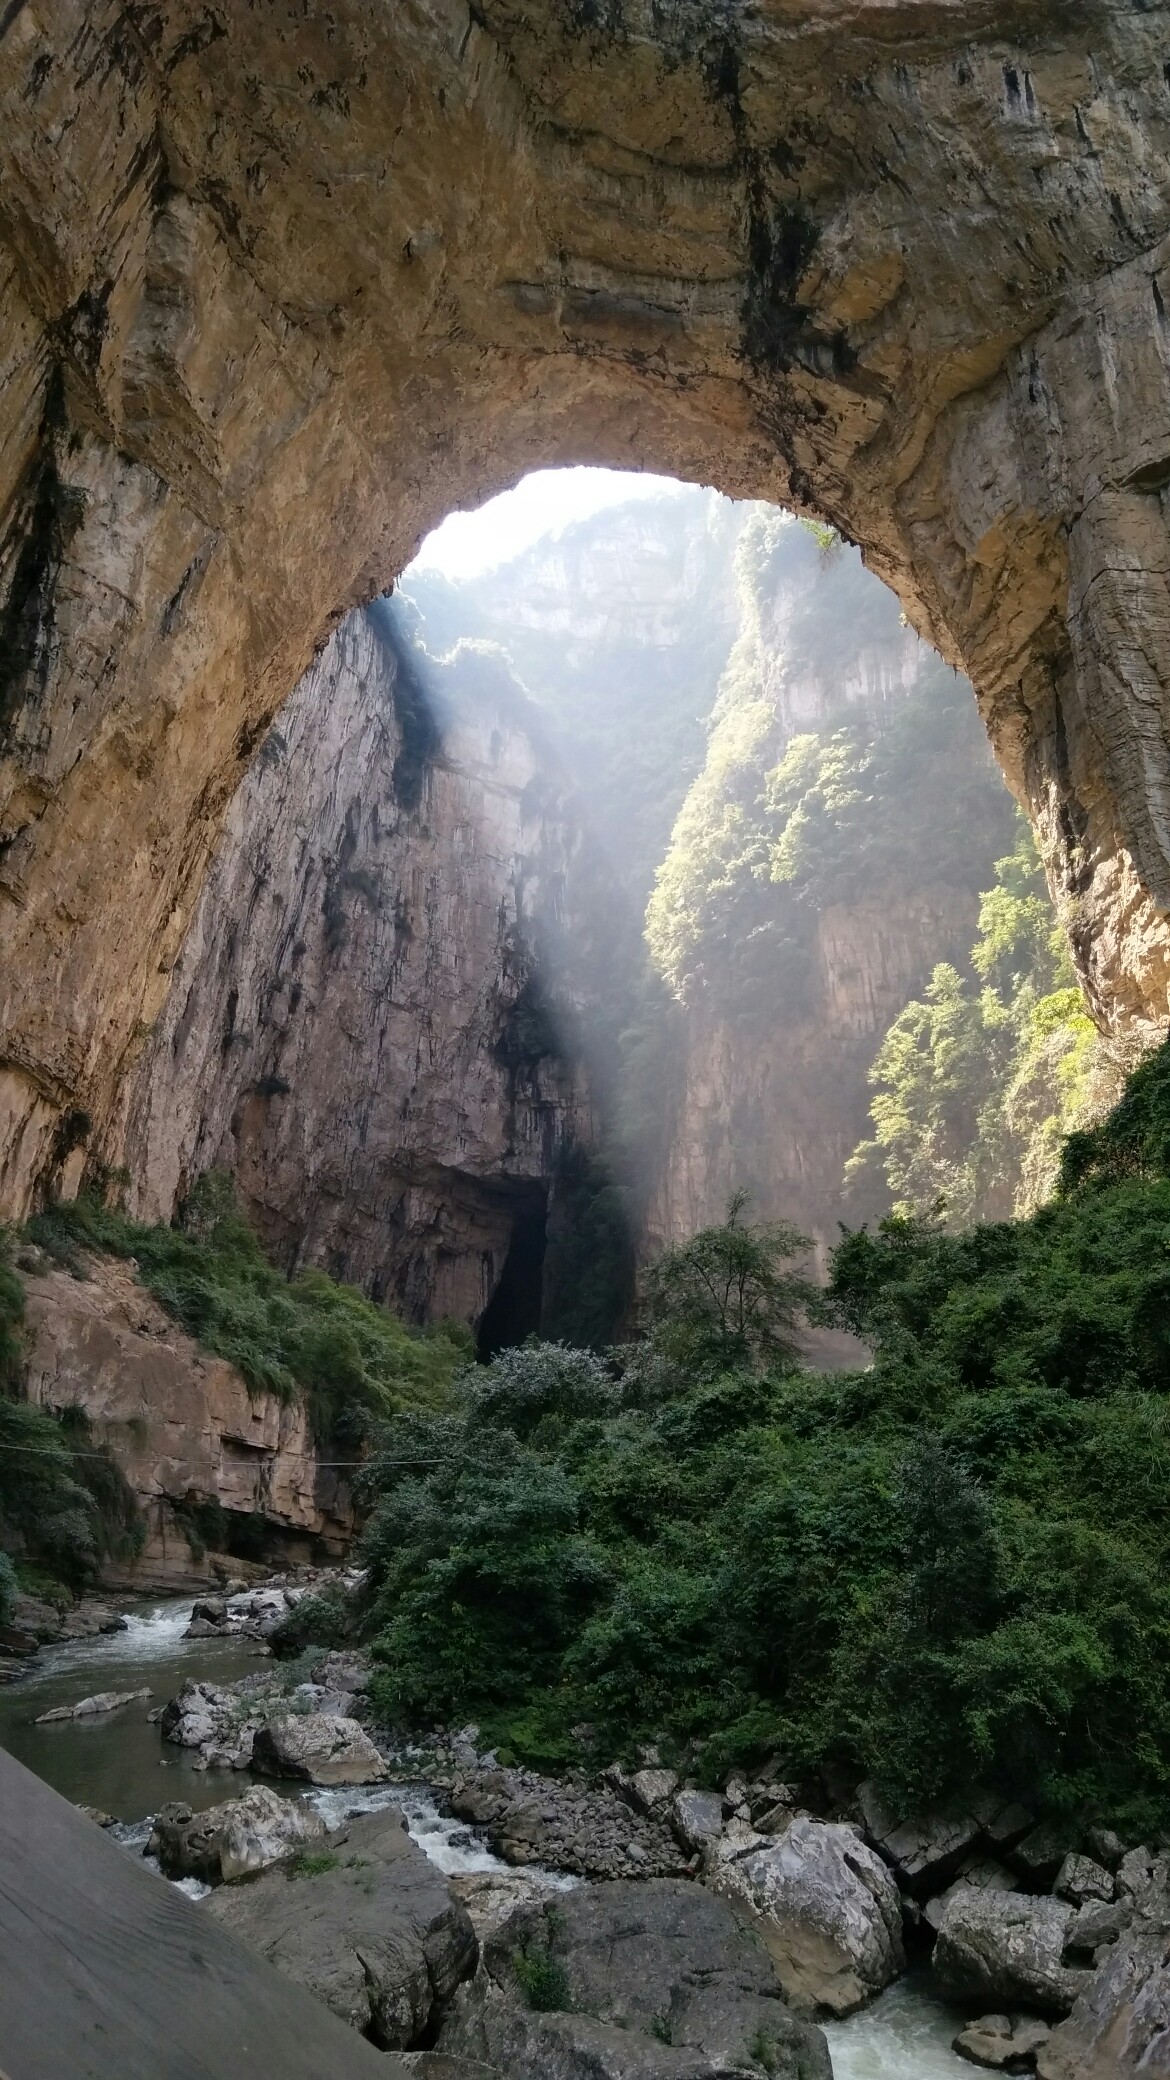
(949, 1568)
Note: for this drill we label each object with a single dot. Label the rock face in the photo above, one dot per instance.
(902, 266)
(359, 1025)
(183, 1425)
(620, 1981)
(376, 1934)
(770, 1093)
(830, 1915)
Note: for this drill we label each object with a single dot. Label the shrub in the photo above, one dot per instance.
(327, 1619)
(721, 1301)
(542, 1980)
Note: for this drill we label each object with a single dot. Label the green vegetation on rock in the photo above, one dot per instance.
(949, 1568)
(350, 1359)
(978, 1081)
(782, 824)
(64, 1505)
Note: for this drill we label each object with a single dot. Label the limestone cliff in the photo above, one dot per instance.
(829, 854)
(183, 1427)
(365, 1022)
(281, 287)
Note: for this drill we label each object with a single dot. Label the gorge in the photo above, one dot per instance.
(447, 1014)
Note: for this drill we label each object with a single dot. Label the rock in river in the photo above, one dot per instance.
(319, 1746)
(93, 1707)
(829, 1913)
(624, 1981)
(372, 1930)
(235, 1839)
(1006, 1949)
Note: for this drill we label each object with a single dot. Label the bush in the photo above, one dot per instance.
(63, 1500)
(326, 1620)
(11, 1320)
(542, 1980)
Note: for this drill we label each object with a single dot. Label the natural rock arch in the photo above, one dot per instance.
(283, 283)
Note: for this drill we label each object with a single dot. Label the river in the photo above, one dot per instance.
(120, 1765)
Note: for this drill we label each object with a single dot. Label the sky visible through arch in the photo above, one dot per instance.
(465, 545)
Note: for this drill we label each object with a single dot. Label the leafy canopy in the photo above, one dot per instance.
(721, 1300)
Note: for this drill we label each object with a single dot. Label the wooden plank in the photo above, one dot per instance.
(108, 1973)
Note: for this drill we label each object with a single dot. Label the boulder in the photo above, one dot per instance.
(371, 1929)
(978, 1871)
(200, 1713)
(93, 1707)
(1003, 1824)
(235, 1839)
(925, 1852)
(348, 1670)
(1136, 1873)
(567, 1826)
(1001, 2044)
(696, 1818)
(829, 1913)
(1038, 1857)
(653, 1981)
(1080, 1879)
(1006, 1950)
(1098, 1923)
(320, 1747)
(1107, 1847)
(649, 1789)
(212, 1609)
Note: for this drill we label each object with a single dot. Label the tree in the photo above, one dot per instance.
(721, 1300)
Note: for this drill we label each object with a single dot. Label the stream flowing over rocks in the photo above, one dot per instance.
(488, 1921)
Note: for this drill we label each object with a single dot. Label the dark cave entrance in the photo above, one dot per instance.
(514, 1310)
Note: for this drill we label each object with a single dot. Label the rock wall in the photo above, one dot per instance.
(182, 1426)
(365, 1023)
(280, 288)
(770, 1091)
(778, 1112)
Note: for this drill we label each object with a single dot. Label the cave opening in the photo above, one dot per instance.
(514, 1310)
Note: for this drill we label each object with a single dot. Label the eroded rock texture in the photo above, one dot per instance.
(281, 288)
(363, 1023)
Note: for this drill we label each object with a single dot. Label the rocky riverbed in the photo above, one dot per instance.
(489, 1892)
